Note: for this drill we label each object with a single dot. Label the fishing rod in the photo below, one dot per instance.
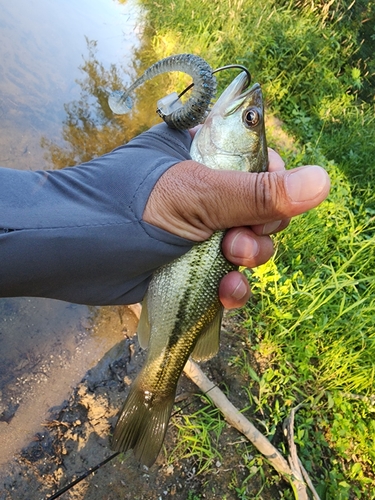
(83, 476)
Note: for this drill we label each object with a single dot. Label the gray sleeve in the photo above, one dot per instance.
(77, 234)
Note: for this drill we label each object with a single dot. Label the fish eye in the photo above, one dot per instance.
(251, 117)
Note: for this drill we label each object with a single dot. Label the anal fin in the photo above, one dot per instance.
(209, 341)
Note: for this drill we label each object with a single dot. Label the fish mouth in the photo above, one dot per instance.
(254, 88)
(241, 86)
(256, 94)
(236, 93)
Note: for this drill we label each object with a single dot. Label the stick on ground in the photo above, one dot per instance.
(237, 420)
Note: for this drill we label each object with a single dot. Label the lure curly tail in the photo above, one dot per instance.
(195, 109)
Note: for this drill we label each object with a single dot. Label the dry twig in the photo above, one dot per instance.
(237, 420)
(308, 481)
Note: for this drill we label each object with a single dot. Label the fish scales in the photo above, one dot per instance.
(182, 313)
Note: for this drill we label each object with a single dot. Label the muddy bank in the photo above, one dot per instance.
(76, 436)
(49, 366)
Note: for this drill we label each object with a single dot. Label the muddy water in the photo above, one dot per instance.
(46, 346)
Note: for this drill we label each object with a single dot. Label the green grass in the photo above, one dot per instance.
(314, 306)
(312, 318)
(198, 435)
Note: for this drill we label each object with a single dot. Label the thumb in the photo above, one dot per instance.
(193, 201)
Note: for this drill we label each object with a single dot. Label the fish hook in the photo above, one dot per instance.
(228, 66)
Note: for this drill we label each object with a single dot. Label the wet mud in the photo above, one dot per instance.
(50, 361)
(76, 436)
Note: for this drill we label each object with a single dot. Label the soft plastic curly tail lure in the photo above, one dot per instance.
(181, 116)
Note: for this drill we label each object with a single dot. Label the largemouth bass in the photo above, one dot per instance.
(182, 313)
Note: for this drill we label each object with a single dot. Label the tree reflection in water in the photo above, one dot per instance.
(90, 128)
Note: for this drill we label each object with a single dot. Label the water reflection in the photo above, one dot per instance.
(40, 57)
(90, 128)
(45, 345)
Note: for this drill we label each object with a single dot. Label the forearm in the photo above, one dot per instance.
(78, 234)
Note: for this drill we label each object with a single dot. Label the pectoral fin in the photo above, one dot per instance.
(144, 328)
(209, 341)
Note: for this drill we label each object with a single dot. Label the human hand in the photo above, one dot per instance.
(193, 201)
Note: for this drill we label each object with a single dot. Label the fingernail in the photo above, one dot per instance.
(243, 246)
(270, 227)
(240, 291)
(305, 183)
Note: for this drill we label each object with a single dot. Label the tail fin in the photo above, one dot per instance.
(142, 425)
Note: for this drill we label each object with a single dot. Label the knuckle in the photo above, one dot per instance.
(269, 192)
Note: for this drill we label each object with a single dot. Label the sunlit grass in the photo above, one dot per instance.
(315, 308)
(198, 436)
(312, 318)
